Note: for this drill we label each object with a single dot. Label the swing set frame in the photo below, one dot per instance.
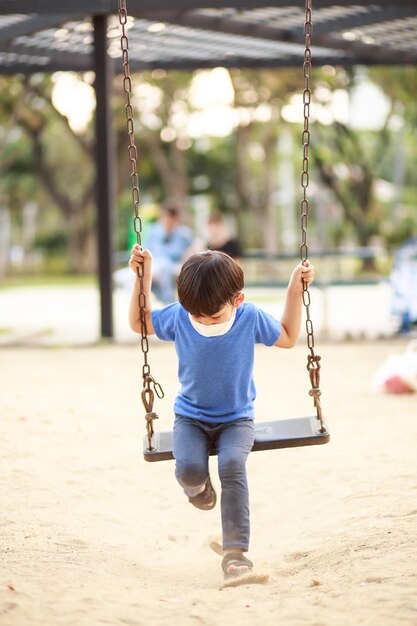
(274, 434)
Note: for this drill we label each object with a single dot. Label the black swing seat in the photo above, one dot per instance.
(287, 433)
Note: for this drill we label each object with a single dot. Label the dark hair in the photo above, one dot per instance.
(208, 281)
(215, 218)
(171, 208)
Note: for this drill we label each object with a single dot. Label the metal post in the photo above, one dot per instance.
(104, 174)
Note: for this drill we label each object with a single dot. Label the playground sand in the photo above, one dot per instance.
(91, 534)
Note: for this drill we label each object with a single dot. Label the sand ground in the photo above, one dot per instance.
(91, 534)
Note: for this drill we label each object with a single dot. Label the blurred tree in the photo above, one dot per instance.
(53, 157)
(259, 99)
(344, 165)
(350, 161)
(240, 168)
(16, 160)
(399, 85)
(161, 107)
(237, 172)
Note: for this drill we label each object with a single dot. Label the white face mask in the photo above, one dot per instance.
(214, 330)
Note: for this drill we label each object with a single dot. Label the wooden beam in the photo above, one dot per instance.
(31, 24)
(366, 53)
(104, 173)
(44, 60)
(250, 63)
(109, 7)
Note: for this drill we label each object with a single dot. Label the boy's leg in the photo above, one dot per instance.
(191, 451)
(234, 443)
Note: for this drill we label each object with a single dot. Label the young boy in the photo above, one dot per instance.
(215, 332)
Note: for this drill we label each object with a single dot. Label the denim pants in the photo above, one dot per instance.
(234, 440)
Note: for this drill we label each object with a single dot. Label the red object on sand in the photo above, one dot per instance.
(395, 384)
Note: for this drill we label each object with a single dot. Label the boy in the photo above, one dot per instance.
(215, 332)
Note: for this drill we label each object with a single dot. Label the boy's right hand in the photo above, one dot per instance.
(140, 255)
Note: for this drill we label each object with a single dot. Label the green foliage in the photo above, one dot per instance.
(43, 160)
(350, 162)
(212, 172)
(399, 84)
(54, 242)
(396, 234)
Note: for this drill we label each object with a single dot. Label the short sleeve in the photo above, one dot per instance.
(165, 320)
(267, 328)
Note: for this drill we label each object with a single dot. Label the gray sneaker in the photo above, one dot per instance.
(206, 500)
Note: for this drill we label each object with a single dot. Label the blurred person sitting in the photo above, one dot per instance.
(170, 242)
(220, 238)
(404, 286)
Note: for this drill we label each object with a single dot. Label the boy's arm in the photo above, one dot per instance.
(139, 255)
(292, 314)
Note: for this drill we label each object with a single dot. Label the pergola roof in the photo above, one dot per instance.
(52, 35)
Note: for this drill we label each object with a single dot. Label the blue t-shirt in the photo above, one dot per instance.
(216, 373)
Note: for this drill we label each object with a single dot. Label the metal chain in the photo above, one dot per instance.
(313, 360)
(147, 394)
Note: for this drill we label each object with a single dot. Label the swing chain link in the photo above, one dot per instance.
(313, 360)
(147, 394)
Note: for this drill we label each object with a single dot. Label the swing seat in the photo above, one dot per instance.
(288, 433)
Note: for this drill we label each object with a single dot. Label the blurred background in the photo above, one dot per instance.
(223, 140)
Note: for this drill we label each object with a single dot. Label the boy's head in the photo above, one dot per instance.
(208, 281)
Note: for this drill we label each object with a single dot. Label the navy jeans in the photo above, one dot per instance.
(234, 440)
